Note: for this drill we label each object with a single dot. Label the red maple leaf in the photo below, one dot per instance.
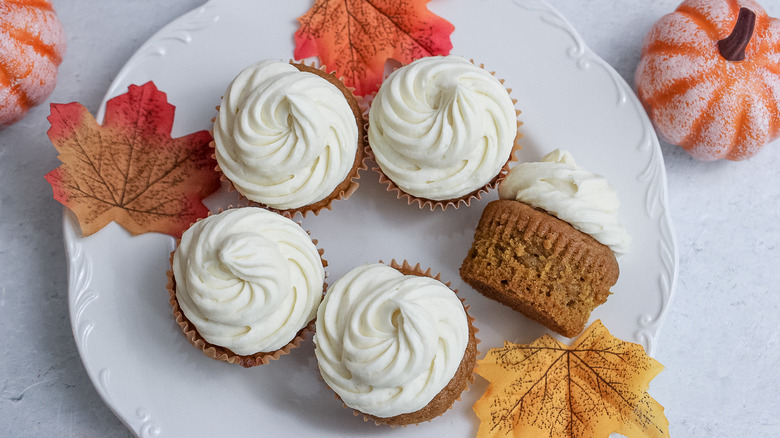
(356, 37)
(130, 170)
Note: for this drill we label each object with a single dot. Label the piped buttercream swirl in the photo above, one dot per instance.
(559, 186)
(386, 342)
(248, 279)
(284, 138)
(441, 127)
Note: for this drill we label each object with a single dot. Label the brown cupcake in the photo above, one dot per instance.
(342, 190)
(539, 265)
(306, 258)
(444, 399)
(430, 163)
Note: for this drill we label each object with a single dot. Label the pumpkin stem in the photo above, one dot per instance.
(733, 46)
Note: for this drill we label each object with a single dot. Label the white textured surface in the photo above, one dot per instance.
(719, 343)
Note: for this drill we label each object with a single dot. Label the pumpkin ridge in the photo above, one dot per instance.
(16, 90)
(32, 4)
(740, 133)
(27, 38)
(666, 48)
(674, 89)
(766, 64)
(650, 59)
(708, 118)
(762, 45)
(703, 120)
(769, 96)
(700, 20)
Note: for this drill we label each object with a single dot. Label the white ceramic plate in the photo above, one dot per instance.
(159, 385)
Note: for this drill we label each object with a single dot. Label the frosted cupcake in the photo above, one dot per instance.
(245, 285)
(289, 137)
(442, 130)
(394, 344)
(547, 247)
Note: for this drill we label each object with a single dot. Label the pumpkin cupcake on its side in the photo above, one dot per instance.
(547, 247)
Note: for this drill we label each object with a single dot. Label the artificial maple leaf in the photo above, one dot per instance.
(130, 170)
(356, 37)
(591, 389)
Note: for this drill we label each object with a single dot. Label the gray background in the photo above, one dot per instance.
(719, 342)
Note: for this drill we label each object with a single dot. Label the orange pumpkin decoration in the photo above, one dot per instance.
(32, 43)
(709, 77)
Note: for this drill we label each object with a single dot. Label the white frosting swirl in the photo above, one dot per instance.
(248, 279)
(441, 127)
(387, 343)
(284, 138)
(562, 188)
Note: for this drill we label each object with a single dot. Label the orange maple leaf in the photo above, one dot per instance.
(547, 389)
(356, 37)
(130, 170)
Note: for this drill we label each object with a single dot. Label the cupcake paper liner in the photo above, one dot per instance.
(344, 189)
(225, 354)
(454, 203)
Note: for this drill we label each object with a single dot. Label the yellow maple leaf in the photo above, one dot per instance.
(594, 387)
